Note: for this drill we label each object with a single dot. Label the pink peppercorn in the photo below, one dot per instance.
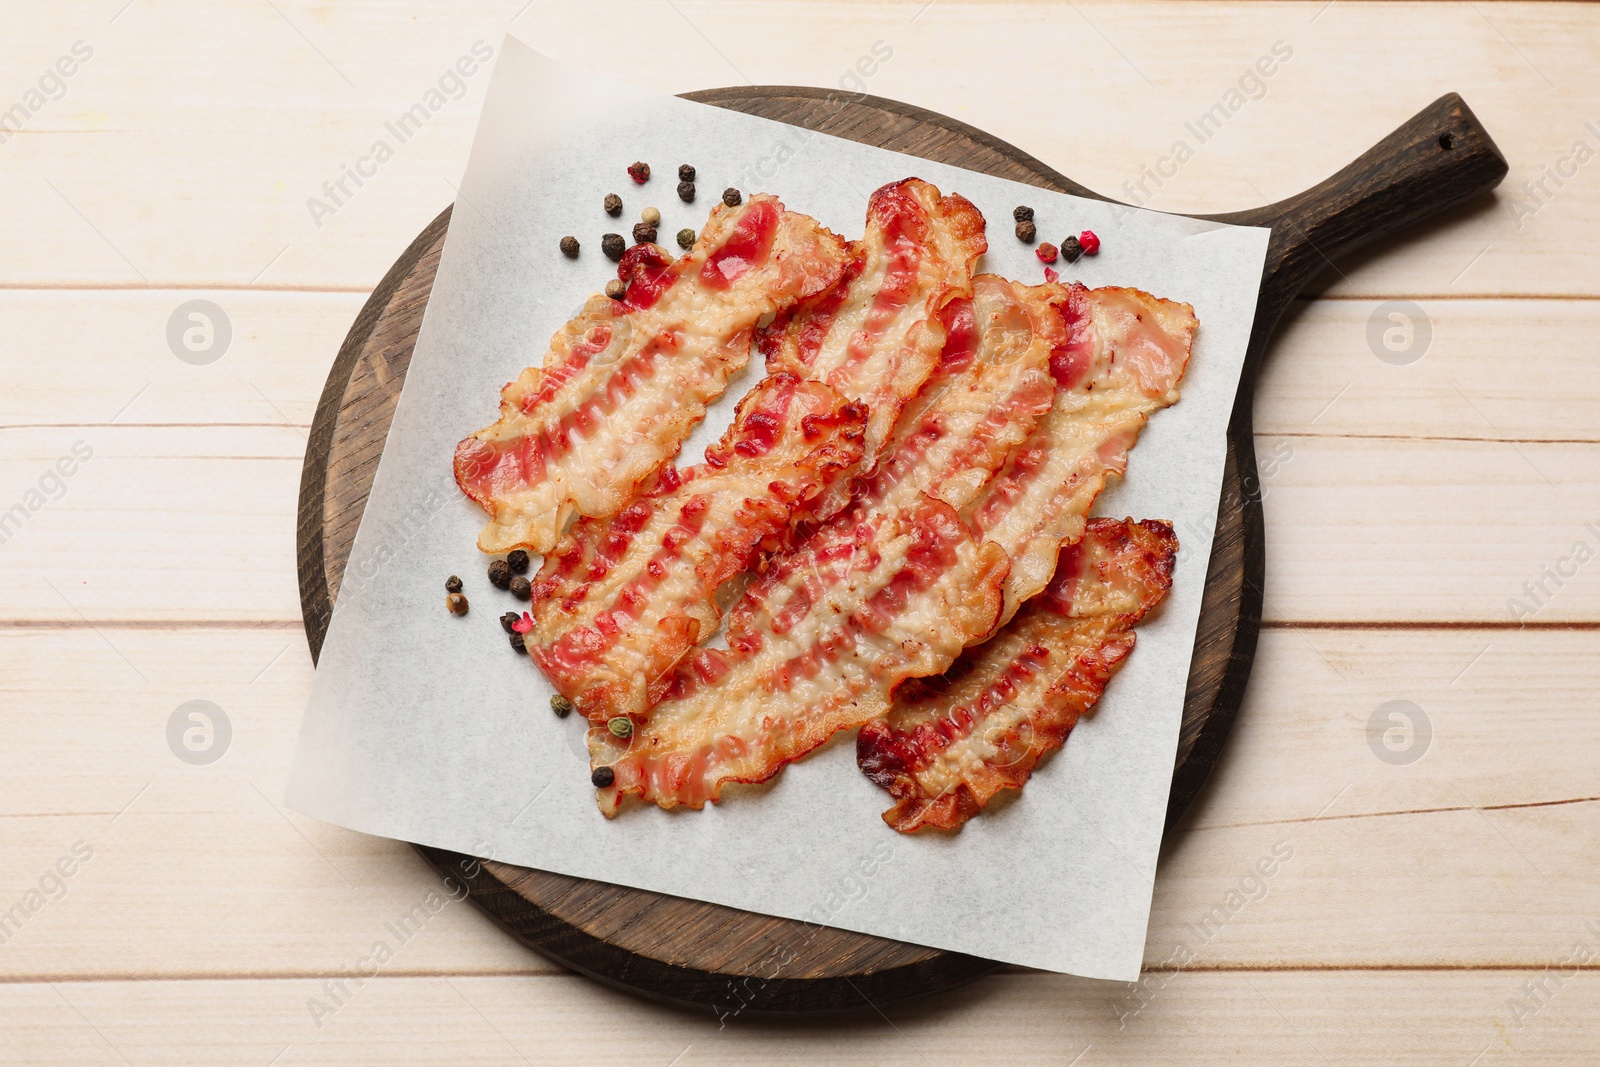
(1091, 243)
(1046, 252)
(1051, 276)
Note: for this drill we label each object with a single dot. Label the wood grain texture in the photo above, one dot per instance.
(708, 956)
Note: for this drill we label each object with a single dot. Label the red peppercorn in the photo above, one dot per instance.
(1091, 243)
(1046, 252)
(1051, 276)
(639, 172)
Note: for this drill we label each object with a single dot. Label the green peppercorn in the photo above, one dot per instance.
(500, 574)
(686, 238)
(643, 233)
(1022, 214)
(616, 289)
(452, 584)
(620, 726)
(602, 777)
(1026, 231)
(613, 205)
(569, 247)
(517, 645)
(686, 192)
(456, 603)
(685, 172)
(561, 706)
(1071, 249)
(508, 622)
(517, 560)
(613, 245)
(731, 197)
(521, 588)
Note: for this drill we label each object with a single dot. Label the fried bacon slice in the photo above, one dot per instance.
(900, 595)
(620, 600)
(951, 743)
(626, 380)
(876, 335)
(1123, 359)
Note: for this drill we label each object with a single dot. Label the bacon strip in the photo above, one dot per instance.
(1124, 357)
(621, 600)
(625, 381)
(902, 594)
(952, 743)
(877, 334)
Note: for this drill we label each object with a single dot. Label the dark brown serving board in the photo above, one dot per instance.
(733, 962)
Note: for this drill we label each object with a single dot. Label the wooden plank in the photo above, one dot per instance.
(1321, 376)
(1311, 1019)
(133, 164)
(1357, 529)
(1372, 882)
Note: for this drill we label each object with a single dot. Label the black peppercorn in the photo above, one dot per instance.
(1026, 232)
(508, 620)
(616, 289)
(686, 192)
(499, 574)
(456, 603)
(685, 172)
(639, 172)
(685, 238)
(561, 706)
(602, 777)
(1071, 249)
(731, 197)
(569, 247)
(521, 588)
(517, 560)
(613, 205)
(643, 233)
(613, 245)
(517, 645)
(1022, 214)
(452, 584)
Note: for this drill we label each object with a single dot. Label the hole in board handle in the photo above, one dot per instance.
(1447, 141)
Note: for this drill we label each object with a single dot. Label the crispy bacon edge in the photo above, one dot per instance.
(1053, 659)
(530, 447)
(789, 437)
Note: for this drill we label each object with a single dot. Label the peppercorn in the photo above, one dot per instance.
(686, 238)
(613, 245)
(452, 584)
(1091, 243)
(1022, 213)
(508, 620)
(456, 603)
(569, 247)
(643, 233)
(500, 574)
(602, 777)
(1046, 252)
(561, 706)
(521, 588)
(686, 192)
(517, 560)
(639, 172)
(651, 216)
(731, 197)
(1071, 249)
(620, 726)
(517, 645)
(685, 172)
(1026, 231)
(616, 289)
(613, 205)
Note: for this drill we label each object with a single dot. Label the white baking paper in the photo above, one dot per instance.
(428, 728)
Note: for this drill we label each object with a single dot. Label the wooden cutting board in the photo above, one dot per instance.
(733, 962)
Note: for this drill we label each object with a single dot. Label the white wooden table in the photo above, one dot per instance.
(1430, 531)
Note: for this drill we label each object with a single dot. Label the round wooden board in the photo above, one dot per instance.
(683, 951)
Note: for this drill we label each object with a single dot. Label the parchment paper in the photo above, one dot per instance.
(428, 728)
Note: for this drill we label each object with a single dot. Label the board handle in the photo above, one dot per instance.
(1438, 158)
